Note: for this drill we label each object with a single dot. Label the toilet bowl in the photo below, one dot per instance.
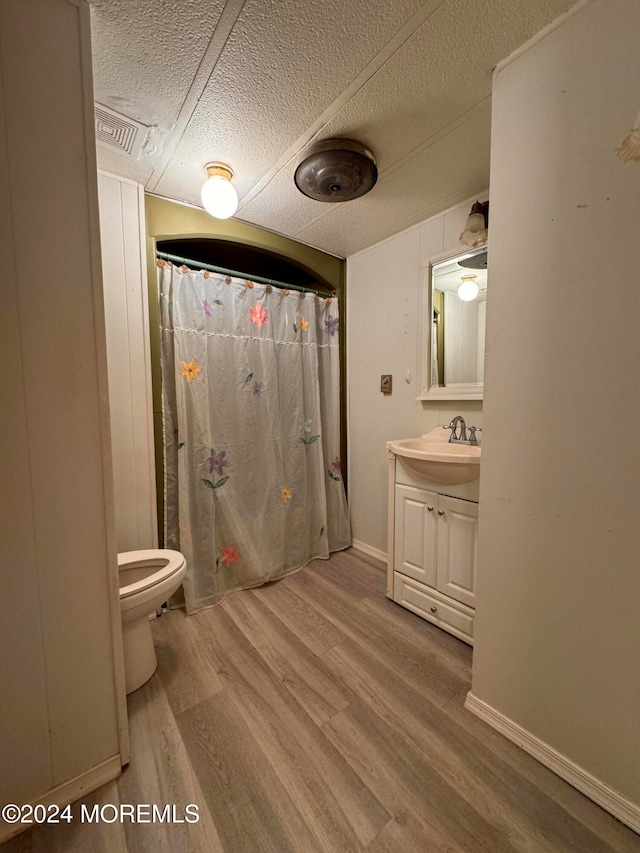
(147, 579)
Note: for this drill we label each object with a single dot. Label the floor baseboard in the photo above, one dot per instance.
(596, 790)
(370, 550)
(69, 792)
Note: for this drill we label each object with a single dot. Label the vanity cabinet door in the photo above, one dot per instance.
(415, 534)
(457, 547)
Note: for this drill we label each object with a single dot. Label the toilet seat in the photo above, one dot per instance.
(149, 568)
(147, 579)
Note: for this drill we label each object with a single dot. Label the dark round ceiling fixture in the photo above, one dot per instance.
(475, 262)
(336, 170)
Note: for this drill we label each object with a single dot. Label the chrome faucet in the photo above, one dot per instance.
(453, 426)
(473, 438)
(454, 438)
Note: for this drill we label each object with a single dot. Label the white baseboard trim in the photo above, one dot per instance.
(370, 550)
(69, 792)
(598, 791)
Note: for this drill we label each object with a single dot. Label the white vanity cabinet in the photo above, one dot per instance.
(432, 548)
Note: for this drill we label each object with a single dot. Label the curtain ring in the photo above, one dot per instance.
(206, 274)
(160, 263)
(286, 292)
(329, 300)
(228, 279)
(269, 288)
(250, 285)
(184, 268)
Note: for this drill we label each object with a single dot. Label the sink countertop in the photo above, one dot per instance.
(436, 458)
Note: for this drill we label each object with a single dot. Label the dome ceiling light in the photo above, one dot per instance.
(468, 290)
(219, 196)
(336, 170)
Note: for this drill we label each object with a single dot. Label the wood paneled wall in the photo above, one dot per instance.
(61, 685)
(124, 272)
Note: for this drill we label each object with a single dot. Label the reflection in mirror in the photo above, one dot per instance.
(457, 306)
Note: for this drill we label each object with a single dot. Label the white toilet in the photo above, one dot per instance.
(147, 579)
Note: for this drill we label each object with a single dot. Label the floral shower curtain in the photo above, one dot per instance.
(250, 397)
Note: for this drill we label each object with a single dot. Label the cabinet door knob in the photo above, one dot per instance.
(430, 508)
(433, 609)
(440, 512)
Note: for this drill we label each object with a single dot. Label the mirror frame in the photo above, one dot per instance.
(427, 390)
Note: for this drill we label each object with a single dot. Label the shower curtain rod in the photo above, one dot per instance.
(257, 278)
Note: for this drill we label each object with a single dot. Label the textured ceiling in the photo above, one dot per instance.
(252, 82)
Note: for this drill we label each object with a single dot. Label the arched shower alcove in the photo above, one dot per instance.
(191, 234)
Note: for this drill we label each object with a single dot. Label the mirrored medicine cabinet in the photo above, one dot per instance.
(453, 326)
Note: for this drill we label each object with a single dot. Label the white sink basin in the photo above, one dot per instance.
(433, 457)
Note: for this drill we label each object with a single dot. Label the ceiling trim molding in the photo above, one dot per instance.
(210, 58)
(193, 206)
(463, 118)
(417, 20)
(558, 22)
(463, 195)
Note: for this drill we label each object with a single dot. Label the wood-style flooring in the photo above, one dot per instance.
(313, 714)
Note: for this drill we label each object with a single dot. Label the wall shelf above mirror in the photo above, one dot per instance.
(453, 325)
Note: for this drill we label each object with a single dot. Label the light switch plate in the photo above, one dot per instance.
(386, 382)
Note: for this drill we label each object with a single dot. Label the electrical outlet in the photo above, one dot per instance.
(386, 382)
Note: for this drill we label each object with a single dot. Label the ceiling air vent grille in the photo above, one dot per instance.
(119, 132)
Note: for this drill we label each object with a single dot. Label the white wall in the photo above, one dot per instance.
(122, 232)
(61, 677)
(558, 618)
(461, 340)
(482, 326)
(384, 292)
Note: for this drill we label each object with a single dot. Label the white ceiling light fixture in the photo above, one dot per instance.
(219, 196)
(468, 290)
